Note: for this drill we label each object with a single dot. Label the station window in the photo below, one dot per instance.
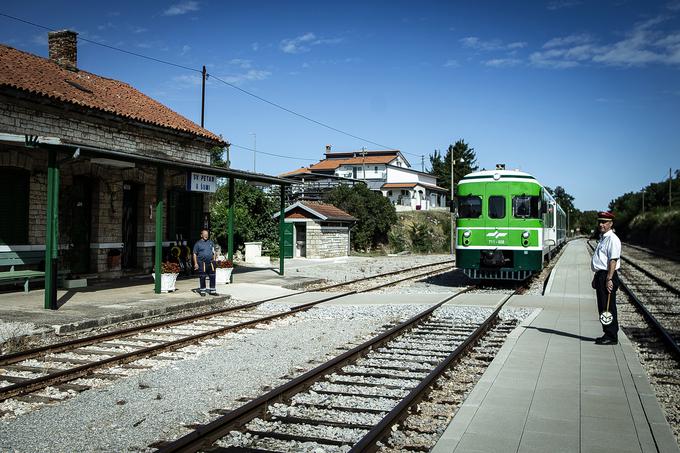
(469, 207)
(496, 207)
(525, 206)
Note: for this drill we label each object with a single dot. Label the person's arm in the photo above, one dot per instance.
(611, 267)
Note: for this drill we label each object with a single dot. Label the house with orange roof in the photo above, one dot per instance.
(386, 171)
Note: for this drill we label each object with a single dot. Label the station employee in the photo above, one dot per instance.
(606, 261)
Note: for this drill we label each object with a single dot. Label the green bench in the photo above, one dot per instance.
(21, 258)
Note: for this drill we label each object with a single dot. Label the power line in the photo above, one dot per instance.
(271, 154)
(260, 98)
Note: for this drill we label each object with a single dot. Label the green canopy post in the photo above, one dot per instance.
(281, 223)
(159, 228)
(52, 237)
(230, 226)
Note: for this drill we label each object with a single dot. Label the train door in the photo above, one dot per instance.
(496, 215)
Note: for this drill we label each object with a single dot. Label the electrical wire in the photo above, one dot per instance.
(270, 154)
(260, 98)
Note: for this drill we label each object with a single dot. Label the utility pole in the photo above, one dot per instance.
(422, 163)
(254, 149)
(203, 97)
(363, 161)
(670, 181)
(643, 201)
(453, 214)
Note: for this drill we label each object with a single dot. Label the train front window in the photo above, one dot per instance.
(496, 207)
(525, 206)
(469, 207)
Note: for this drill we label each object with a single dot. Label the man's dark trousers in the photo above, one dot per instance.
(612, 330)
(206, 269)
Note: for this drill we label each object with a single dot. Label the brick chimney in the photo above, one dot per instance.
(63, 45)
(328, 149)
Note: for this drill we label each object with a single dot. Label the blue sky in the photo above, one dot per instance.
(582, 94)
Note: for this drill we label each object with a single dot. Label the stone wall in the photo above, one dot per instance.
(99, 130)
(326, 241)
(106, 206)
(22, 117)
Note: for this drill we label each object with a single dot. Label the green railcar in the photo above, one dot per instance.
(508, 225)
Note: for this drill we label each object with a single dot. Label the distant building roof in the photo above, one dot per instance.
(332, 164)
(322, 211)
(43, 77)
(410, 185)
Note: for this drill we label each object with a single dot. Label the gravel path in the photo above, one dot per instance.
(132, 413)
(350, 268)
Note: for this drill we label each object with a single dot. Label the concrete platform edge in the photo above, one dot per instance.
(135, 315)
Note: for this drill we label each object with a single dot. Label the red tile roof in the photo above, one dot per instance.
(41, 76)
(295, 172)
(328, 210)
(332, 164)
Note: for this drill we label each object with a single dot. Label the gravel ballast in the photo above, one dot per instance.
(132, 413)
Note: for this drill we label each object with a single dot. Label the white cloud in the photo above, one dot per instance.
(185, 50)
(644, 44)
(561, 4)
(40, 39)
(502, 62)
(451, 64)
(181, 8)
(568, 40)
(255, 46)
(138, 30)
(250, 75)
(473, 42)
(245, 64)
(304, 42)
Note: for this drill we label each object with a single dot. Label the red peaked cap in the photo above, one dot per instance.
(605, 215)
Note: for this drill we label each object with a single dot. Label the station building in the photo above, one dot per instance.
(92, 167)
(387, 172)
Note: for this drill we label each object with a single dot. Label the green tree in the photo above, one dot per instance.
(217, 157)
(375, 214)
(253, 210)
(465, 161)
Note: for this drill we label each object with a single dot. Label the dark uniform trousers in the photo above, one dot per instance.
(206, 269)
(600, 286)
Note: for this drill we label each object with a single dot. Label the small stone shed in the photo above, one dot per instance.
(318, 230)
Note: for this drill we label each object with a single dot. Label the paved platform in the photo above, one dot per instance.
(130, 299)
(551, 389)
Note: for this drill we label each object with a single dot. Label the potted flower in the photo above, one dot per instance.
(169, 273)
(223, 271)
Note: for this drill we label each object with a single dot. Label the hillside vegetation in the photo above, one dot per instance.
(420, 232)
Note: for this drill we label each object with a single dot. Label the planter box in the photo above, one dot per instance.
(223, 275)
(75, 283)
(167, 282)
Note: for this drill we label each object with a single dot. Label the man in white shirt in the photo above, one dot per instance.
(606, 261)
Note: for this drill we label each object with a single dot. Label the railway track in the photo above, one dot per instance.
(55, 366)
(657, 300)
(652, 321)
(351, 402)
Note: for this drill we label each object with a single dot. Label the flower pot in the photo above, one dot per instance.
(223, 274)
(167, 282)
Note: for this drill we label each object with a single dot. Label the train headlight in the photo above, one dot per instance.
(467, 233)
(525, 235)
(525, 239)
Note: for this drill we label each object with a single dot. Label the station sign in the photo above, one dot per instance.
(201, 182)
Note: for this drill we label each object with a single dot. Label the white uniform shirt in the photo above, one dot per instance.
(609, 248)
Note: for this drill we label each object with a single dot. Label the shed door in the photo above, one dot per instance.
(288, 240)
